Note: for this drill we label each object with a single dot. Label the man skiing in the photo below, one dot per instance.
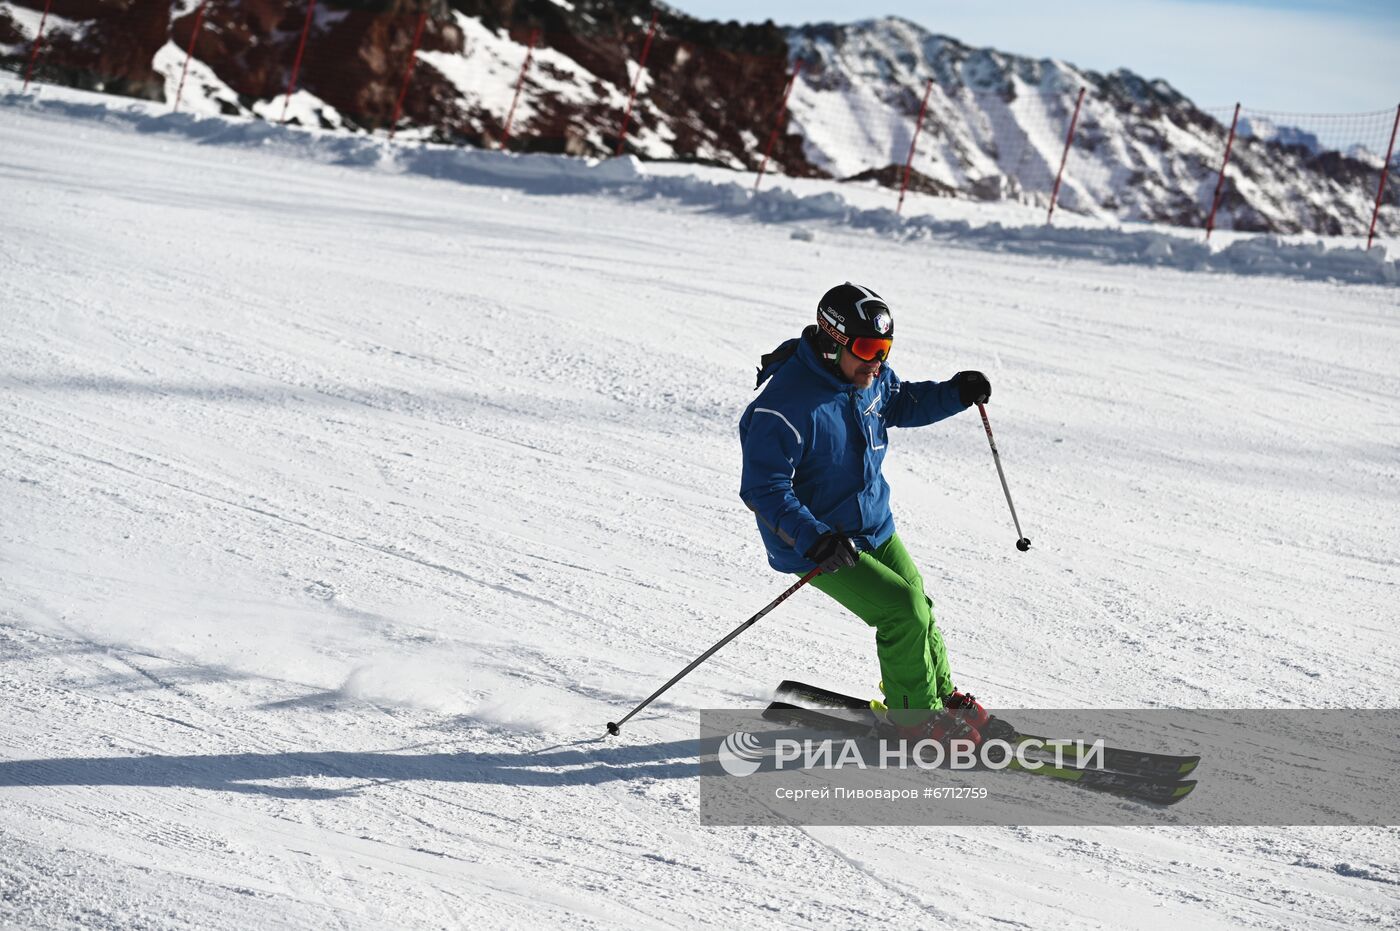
(814, 443)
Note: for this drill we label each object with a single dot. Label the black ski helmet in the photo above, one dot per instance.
(849, 311)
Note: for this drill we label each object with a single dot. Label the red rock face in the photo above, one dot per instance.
(114, 51)
(711, 95)
(353, 59)
(9, 30)
(707, 91)
(359, 66)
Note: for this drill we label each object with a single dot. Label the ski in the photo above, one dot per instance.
(1151, 789)
(1161, 766)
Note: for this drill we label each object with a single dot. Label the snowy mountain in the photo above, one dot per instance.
(1266, 129)
(997, 124)
(995, 127)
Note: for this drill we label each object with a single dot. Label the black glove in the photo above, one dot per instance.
(973, 388)
(833, 551)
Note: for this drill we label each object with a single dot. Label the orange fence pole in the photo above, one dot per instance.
(1069, 140)
(909, 161)
(1385, 170)
(407, 73)
(38, 41)
(519, 83)
(296, 65)
(1220, 183)
(627, 117)
(777, 124)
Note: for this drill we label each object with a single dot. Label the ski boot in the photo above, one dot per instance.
(988, 725)
(959, 719)
(942, 727)
(967, 707)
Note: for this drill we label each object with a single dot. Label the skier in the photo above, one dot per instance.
(814, 442)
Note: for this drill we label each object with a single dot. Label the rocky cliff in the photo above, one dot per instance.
(994, 127)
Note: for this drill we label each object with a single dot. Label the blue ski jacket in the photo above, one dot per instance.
(814, 445)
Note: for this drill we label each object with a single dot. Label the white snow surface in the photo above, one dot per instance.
(348, 489)
(999, 226)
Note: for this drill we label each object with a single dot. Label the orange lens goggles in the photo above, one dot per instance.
(870, 348)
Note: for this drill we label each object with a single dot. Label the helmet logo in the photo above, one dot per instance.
(837, 331)
(882, 323)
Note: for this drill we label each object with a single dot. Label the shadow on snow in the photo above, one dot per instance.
(581, 763)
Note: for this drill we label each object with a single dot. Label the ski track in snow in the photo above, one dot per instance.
(340, 512)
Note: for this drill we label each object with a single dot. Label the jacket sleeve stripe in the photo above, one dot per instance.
(764, 410)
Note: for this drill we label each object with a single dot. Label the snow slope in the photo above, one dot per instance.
(1013, 228)
(343, 506)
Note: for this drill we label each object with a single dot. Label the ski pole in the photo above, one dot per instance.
(615, 726)
(1022, 543)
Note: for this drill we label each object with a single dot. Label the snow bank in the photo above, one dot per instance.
(554, 174)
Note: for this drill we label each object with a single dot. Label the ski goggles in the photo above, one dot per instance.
(870, 348)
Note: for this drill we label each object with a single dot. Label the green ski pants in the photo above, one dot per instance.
(885, 590)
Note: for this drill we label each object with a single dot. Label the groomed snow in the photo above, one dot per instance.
(344, 503)
(1001, 226)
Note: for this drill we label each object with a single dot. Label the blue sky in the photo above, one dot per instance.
(1301, 56)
